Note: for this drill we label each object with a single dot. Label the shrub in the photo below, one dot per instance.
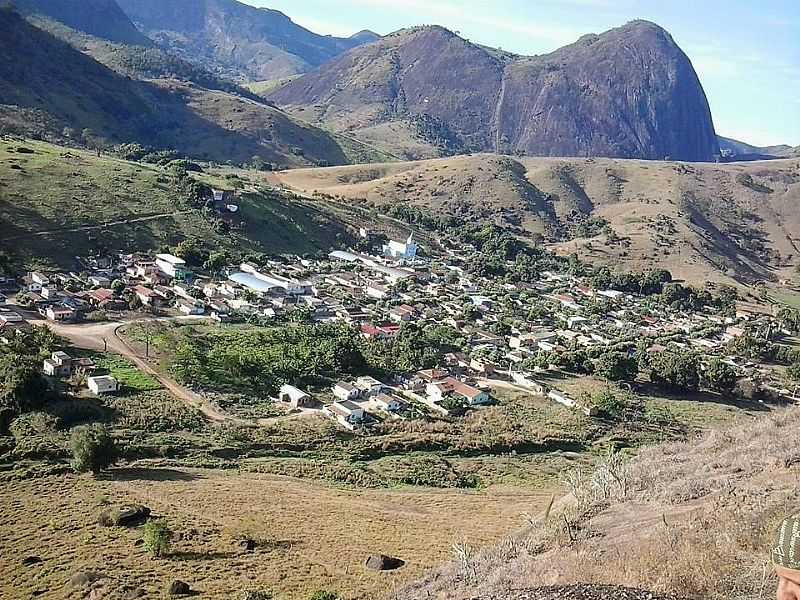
(93, 449)
(323, 595)
(157, 537)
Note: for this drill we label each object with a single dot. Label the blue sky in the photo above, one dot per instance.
(746, 52)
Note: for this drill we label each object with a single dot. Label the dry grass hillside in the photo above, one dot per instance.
(702, 221)
(694, 519)
(310, 536)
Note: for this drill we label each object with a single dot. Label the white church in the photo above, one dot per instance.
(401, 250)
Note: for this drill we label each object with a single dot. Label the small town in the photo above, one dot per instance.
(512, 336)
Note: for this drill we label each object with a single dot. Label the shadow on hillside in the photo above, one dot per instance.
(648, 389)
(143, 474)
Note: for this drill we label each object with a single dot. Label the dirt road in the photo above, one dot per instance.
(106, 337)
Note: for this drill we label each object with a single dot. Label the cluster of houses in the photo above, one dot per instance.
(61, 365)
(359, 403)
(502, 326)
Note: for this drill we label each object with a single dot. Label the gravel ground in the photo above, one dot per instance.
(582, 592)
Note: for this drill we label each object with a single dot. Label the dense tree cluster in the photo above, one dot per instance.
(646, 283)
(675, 371)
(22, 386)
(756, 348)
(261, 360)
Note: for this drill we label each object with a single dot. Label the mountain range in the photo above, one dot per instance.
(244, 42)
(629, 92)
(223, 80)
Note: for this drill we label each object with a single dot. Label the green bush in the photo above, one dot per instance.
(323, 595)
(93, 449)
(157, 537)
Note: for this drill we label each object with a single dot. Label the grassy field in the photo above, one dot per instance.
(311, 536)
(58, 203)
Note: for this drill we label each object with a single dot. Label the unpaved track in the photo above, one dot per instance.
(106, 336)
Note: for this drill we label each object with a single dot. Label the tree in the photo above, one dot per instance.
(610, 403)
(93, 449)
(22, 387)
(616, 366)
(720, 377)
(675, 371)
(216, 262)
(794, 371)
(157, 537)
(117, 286)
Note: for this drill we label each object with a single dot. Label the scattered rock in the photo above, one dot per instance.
(246, 545)
(83, 578)
(124, 516)
(179, 588)
(134, 594)
(381, 562)
(29, 561)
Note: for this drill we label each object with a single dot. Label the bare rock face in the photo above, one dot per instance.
(627, 93)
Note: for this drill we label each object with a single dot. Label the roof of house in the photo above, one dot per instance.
(293, 392)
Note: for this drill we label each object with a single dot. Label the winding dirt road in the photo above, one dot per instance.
(106, 337)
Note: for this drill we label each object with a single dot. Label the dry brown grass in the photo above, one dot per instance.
(694, 519)
(715, 217)
(312, 536)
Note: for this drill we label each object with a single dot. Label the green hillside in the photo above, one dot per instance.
(58, 203)
(51, 90)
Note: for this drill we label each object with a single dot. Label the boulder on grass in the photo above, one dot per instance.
(381, 562)
(179, 588)
(246, 544)
(82, 579)
(124, 516)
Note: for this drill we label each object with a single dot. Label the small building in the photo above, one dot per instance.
(100, 281)
(146, 296)
(401, 250)
(439, 390)
(369, 385)
(295, 397)
(58, 365)
(402, 313)
(346, 391)
(377, 291)
(173, 266)
(103, 384)
(191, 308)
(60, 313)
(348, 414)
(389, 403)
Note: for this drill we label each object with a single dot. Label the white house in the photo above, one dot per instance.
(346, 391)
(60, 312)
(389, 403)
(369, 385)
(296, 398)
(377, 291)
(439, 390)
(58, 365)
(103, 384)
(172, 266)
(347, 413)
(401, 250)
